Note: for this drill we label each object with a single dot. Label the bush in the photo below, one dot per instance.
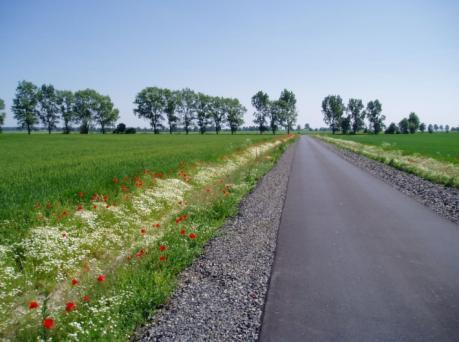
(130, 130)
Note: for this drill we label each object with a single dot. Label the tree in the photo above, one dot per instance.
(66, 104)
(430, 128)
(447, 128)
(203, 111)
(217, 112)
(261, 103)
(48, 106)
(440, 127)
(345, 124)
(25, 105)
(275, 115)
(298, 127)
(150, 105)
(86, 103)
(235, 114)
(104, 112)
(2, 114)
(120, 128)
(307, 127)
(186, 106)
(357, 114)
(404, 126)
(435, 126)
(333, 108)
(422, 127)
(288, 114)
(413, 122)
(392, 129)
(376, 119)
(170, 105)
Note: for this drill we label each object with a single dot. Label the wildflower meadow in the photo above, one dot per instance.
(95, 231)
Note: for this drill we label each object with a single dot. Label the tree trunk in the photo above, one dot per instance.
(49, 129)
(103, 129)
(28, 129)
(170, 129)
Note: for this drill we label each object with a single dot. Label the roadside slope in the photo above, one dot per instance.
(221, 296)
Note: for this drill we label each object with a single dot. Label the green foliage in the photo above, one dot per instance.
(86, 102)
(48, 106)
(66, 103)
(235, 114)
(150, 104)
(392, 129)
(2, 114)
(422, 127)
(404, 126)
(332, 109)
(261, 103)
(25, 105)
(203, 111)
(186, 107)
(413, 122)
(120, 128)
(288, 113)
(376, 119)
(430, 129)
(171, 99)
(356, 113)
(345, 124)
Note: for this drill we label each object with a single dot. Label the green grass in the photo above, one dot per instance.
(53, 169)
(215, 173)
(440, 146)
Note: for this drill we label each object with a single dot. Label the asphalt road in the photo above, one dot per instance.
(357, 260)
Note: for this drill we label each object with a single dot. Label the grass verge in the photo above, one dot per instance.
(434, 170)
(97, 274)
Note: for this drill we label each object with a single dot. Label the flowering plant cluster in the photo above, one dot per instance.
(82, 265)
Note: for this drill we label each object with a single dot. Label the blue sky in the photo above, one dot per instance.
(405, 53)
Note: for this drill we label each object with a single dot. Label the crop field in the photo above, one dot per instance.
(96, 228)
(440, 146)
(432, 156)
(42, 170)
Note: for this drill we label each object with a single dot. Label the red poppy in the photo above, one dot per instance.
(124, 188)
(86, 298)
(94, 206)
(80, 207)
(162, 258)
(64, 235)
(129, 258)
(192, 236)
(107, 206)
(143, 231)
(70, 306)
(116, 180)
(101, 278)
(140, 253)
(37, 205)
(48, 323)
(33, 305)
(162, 248)
(105, 198)
(182, 232)
(74, 281)
(81, 194)
(48, 205)
(156, 225)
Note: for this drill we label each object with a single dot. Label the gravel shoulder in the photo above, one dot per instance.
(221, 296)
(443, 200)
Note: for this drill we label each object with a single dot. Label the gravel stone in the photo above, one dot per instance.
(441, 199)
(221, 296)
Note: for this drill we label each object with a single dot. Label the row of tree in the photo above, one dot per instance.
(187, 108)
(334, 111)
(51, 106)
(275, 114)
(412, 124)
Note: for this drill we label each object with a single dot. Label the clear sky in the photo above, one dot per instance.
(405, 53)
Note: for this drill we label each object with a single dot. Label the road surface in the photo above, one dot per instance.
(357, 260)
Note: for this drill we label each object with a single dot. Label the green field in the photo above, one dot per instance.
(440, 146)
(41, 169)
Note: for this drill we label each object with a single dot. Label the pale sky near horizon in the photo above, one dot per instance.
(404, 53)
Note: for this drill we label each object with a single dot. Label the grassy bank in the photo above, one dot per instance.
(433, 157)
(101, 269)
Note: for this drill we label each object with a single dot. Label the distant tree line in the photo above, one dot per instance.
(272, 115)
(351, 117)
(50, 106)
(187, 108)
